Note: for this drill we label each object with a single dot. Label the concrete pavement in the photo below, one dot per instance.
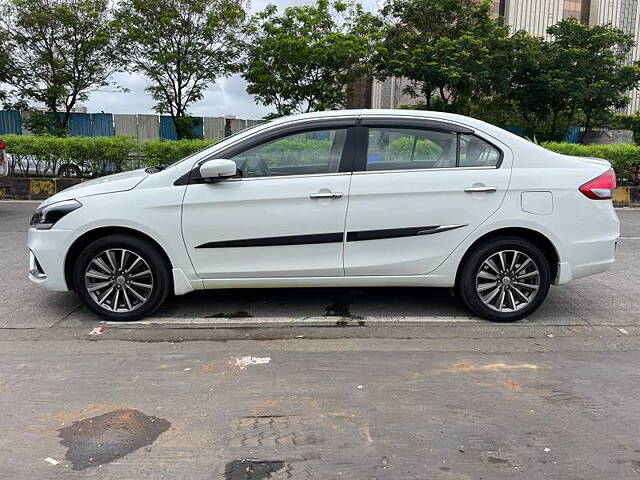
(321, 409)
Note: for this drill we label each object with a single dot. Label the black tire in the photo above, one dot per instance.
(466, 288)
(149, 253)
(69, 170)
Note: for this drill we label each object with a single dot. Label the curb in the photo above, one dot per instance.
(32, 188)
(626, 197)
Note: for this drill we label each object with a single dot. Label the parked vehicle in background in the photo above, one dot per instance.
(32, 167)
(4, 167)
(347, 198)
(28, 166)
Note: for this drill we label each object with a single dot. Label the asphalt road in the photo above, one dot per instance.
(612, 298)
(359, 384)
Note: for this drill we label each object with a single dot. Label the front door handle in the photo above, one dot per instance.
(480, 189)
(326, 195)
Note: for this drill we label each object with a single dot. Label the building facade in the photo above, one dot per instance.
(535, 16)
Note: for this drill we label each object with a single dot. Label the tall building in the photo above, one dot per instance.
(535, 16)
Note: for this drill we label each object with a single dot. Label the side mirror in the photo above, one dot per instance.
(218, 169)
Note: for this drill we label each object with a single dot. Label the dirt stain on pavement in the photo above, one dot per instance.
(513, 385)
(492, 367)
(252, 469)
(98, 440)
(497, 460)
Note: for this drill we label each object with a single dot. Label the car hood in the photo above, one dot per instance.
(118, 182)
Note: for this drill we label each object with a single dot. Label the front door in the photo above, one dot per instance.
(284, 217)
(418, 194)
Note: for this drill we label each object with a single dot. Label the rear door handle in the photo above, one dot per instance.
(483, 189)
(326, 195)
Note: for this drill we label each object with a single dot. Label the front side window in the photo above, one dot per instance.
(402, 148)
(304, 153)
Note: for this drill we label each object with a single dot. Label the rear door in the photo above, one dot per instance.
(420, 187)
(285, 216)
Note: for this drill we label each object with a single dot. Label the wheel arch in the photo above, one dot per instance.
(538, 239)
(86, 238)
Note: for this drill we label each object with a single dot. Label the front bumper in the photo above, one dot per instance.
(47, 252)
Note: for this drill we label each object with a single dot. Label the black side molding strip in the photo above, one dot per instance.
(399, 232)
(277, 241)
(331, 237)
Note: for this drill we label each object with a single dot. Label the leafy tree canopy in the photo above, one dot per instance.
(444, 47)
(181, 47)
(305, 58)
(59, 51)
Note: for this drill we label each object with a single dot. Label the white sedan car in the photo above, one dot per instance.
(345, 198)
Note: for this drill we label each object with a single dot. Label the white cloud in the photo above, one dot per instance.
(227, 96)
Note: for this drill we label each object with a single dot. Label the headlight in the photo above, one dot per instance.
(45, 217)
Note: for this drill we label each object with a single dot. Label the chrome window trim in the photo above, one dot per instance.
(275, 177)
(405, 170)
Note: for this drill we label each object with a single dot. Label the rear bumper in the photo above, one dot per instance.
(46, 258)
(586, 258)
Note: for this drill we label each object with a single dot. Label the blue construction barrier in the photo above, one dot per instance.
(573, 135)
(102, 125)
(168, 129)
(10, 122)
(516, 130)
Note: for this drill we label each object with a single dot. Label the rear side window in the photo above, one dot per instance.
(393, 148)
(475, 152)
(401, 148)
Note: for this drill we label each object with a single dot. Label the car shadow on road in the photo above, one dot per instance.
(315, 302)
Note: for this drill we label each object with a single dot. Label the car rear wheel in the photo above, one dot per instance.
(504, 279)
(121, 277)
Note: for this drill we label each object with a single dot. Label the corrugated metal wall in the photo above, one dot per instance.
(148, 127)
(168, 129)
(213, 127)
(126, 124)
(10, 122)
(79, 125)
(102, 125)
(140, 127)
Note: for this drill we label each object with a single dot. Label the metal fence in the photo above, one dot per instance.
(573, 133)
(138, 126)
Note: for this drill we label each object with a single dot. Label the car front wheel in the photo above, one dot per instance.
(121, 277)
(504, 279)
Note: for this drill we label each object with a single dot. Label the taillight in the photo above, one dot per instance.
(600, 188)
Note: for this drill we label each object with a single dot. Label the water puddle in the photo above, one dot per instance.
(95, 441)
(252, 469)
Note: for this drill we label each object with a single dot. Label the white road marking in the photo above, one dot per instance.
(628, 238)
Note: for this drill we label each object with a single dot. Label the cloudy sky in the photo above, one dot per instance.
(227, 96)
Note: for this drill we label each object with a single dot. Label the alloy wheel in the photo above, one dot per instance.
(507, 281)
(119, 280)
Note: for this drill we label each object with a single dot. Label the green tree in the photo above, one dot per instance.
(590, 65)
(525, 84)
(181, 47)
(61, 51)
(305, 58)
(444, 47)
(579, 75)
